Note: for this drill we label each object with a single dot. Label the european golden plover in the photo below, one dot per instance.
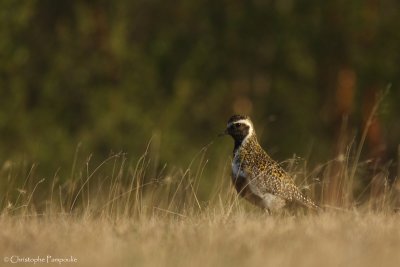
(256, 176)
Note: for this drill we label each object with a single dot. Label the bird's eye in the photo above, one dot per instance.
(238, 125)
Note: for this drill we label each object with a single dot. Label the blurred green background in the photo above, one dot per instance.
(111, 75)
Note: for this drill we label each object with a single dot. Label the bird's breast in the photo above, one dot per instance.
(237, 169)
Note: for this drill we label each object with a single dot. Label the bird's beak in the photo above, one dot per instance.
(223, 133)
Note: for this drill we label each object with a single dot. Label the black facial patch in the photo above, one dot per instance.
(238, 131)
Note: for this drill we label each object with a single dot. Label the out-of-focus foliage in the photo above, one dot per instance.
(113, 74)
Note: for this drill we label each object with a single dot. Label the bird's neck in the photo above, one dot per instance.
(245, 142)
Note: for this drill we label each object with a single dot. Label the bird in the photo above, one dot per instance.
(255, 175)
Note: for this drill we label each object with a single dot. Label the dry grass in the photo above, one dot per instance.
(132, 214)
(114, 215)
(328, 239)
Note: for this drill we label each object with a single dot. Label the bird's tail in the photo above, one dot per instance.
(306, 201)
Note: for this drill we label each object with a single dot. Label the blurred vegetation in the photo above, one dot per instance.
(111, 76)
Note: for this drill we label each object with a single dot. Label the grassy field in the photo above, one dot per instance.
(126, 214)
(241, 239)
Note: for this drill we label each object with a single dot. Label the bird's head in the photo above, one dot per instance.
(239, 127)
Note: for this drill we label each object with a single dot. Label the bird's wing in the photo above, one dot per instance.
(278, 182)
(273, 182)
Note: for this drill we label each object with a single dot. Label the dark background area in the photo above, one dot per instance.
(111, 75)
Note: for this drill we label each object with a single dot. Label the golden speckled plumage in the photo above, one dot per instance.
(256, 176)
